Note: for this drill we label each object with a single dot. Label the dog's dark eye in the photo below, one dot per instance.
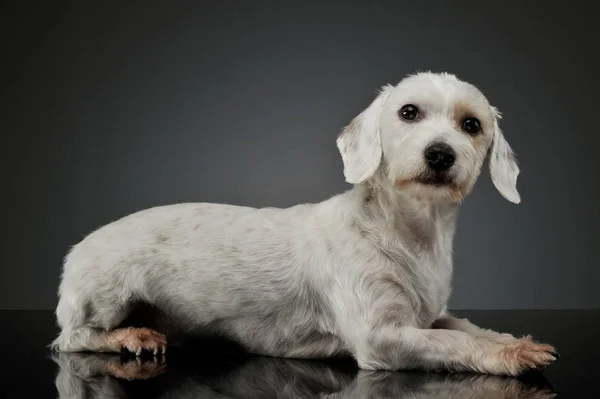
(471, 126)
(409, 112)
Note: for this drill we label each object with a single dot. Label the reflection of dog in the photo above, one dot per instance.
(263, 377)
(366, 272)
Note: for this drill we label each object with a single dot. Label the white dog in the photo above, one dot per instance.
(365, 273)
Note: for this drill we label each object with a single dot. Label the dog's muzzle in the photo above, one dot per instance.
(439, 157)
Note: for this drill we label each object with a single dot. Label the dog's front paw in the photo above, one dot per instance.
(136, 340)
(523, 354)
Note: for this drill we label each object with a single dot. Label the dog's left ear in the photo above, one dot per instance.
(360, 142)
(503, 164)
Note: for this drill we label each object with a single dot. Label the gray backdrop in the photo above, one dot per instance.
(110, 109)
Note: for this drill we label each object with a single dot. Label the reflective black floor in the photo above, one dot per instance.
(218, 370)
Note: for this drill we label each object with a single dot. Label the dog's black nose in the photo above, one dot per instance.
(440, 156)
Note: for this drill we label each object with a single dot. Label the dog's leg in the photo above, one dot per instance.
(390, 347)
(133, 339)
(449, 322)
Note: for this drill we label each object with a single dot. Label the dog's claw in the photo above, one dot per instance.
(138, 340)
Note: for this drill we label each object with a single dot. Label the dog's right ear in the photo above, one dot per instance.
(360, 141)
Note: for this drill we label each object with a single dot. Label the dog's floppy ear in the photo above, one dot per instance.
(360, 142)
(503, 165)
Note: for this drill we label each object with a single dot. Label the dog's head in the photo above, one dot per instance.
(429, 136)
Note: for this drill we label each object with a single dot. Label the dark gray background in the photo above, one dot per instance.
(110, 109)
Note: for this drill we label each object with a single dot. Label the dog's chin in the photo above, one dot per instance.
(436, 189)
